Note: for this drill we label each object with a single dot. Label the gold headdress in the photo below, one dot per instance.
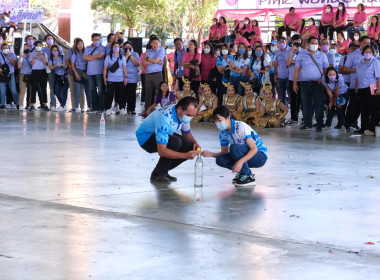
(205, 85)
(246, 85)
(228, 85)
(184, 80)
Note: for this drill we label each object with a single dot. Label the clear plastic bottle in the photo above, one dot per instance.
(198, 174)
(102, 125)
(300, 116)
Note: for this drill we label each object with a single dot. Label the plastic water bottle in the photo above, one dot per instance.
(102, 125)
(300, 116)
(198, 179)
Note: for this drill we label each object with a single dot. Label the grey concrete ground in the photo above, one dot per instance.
(75, 205)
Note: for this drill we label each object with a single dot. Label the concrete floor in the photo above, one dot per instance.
(75, 205)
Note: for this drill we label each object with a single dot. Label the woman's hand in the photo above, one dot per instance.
(206, 154)
(77, 77)
(105, 81)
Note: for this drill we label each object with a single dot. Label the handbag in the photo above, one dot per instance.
(27, 78)
(194, 73)
(115, 66)
(5, 74)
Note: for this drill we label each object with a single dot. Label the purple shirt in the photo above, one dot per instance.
(133, 70)
(26, 66)
(178, 59)
(155, 67)
(38, 64)
(118, 75)
(281, 56)
(309, 71)
(165, 101)
(13, 57)
(95, 67)
(60, 60)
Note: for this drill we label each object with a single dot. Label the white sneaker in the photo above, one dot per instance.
(52, 108)
(369, 133)
(116, 110)
(108, 112)
(77, 110)
(60, 109)
(123, 112)
(7, 106)
(21, 108)
(14, 106)
(82, 110)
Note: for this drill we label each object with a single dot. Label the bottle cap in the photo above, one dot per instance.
(198, 149)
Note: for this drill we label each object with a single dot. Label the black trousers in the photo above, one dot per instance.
(375, 116)
(114, 89)
(130, 90)
(39, 80)
(176, 143)
(353, 109)
(295, 101)
(339, 113)
(366, 106)
(288, 30)
(195, 86)
(323, 30)
(180, 84)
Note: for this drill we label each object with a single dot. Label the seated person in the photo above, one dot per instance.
(252, 107)
(186, 90)
(232, 100)
(163, 97)
(209, 100)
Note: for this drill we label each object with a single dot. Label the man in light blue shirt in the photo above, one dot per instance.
(94, 55)
(281, 71)
(178, 68)
(154, 60)
(158, 133)
(310, 67)
(133, 62)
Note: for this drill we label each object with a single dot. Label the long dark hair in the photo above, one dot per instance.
(159, 92)
(224, 19)
(338, 11)
(245, 55)
(327, 75)
(51, 52)
(254, 57)
(111, 51)
(217, 22)
(207, 43)
(195, 44)
(302, 25)
(75, 47)
(245, 25)
(377, 22)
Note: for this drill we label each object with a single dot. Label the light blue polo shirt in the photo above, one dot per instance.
(309, 71)
(178, 59)
(239, 62)
(95, 67)
(26, 67)
(240, 132)
(224, 62)
(80, 63)
(292, 66)
(352, 62)
(58, 70)
(118, 75)
(38, 64)
(13, 57)
(132, 70)
(342, 62)
(281, 57)
(368, 73)
(162, 123)
(155, 67)
(332, 85)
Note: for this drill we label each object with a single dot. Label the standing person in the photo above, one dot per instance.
(238, 67)
(208, 62)
(272, 46)
(180, 50)
(142, 77)
(310, 67)
(158, 133)
(340, 19)
(79, 66)
(222, 64)
(259, 67)
(291, 21)
(353, 59)
(57, 64)
(39, 61)
(71, 78)
(154, 60)
(50, 41)
(8, 57)
(360, 21)
(241, 147)
(133, 63)
(367, 82)
(374, 28)
(222, 30)
(115, 77)
(94, 55)
(24, 76)
(281, 70)
(325, 48)
(295, 97)
(191, 61)
(110, 39)
(327, 22)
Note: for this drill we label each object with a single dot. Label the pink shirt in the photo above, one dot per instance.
(343, 44)
(222, 30)
(170, 57)
(372, 30)
(257, 31)
(142, 59)
(289, 19)
(213, 31)
(341, 18)
(360, 17)
(257, 39)
(327, 18)
(208, 62)
(313, 30)
(248, 28)
(242, 40)
(186, 58)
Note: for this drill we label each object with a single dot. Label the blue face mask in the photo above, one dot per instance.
(221, 126)
(185, 119)
(241, 51)
(259, 54)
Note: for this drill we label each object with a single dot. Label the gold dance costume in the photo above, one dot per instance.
(208, 102)
(249, 104)
(273, 112)
(181, 95)
(232, 102)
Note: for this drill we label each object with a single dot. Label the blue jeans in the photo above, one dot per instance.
(51, 79)
(282, 86)
(96, 81)
(239, 89)
(12, 86)
(351, 30)
(79, 91)
(61, 90)
(238, 151)
(312, 94)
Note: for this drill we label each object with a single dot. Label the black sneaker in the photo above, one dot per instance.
(133, 113)
(318, 129)
(359, 131)
(237, 177)
(2, 107)
(171, 178)
(291, 122)
(32, 108)
(245, 180)
(155, 178)
(46, 108)
(348, 129)
(337, 127)
(305, 127)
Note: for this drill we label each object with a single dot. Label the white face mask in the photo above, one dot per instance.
(333, 51)
(356, 38)
(328, 10)
(6, 51)
(224, 52)
(213, 23)
(206, 50)
(38, 49)
(218, 53)
(310, 23)
(313, 48)
(340, 8)
(249, 53)
(246, 22)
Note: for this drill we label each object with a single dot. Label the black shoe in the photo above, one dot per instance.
(338, 127)
(305, 127)
(46, 108)
(171, 178)
(237, 177)
(315, 125)
(245, 180)
(133, 113)
(155, 178)
(348, 129)
(2, 107)
(318, 129)
(32, 108)
(359, 131)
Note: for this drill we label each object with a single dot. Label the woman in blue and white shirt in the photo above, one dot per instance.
(238, 67)
(246, 150)
(259, 66)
